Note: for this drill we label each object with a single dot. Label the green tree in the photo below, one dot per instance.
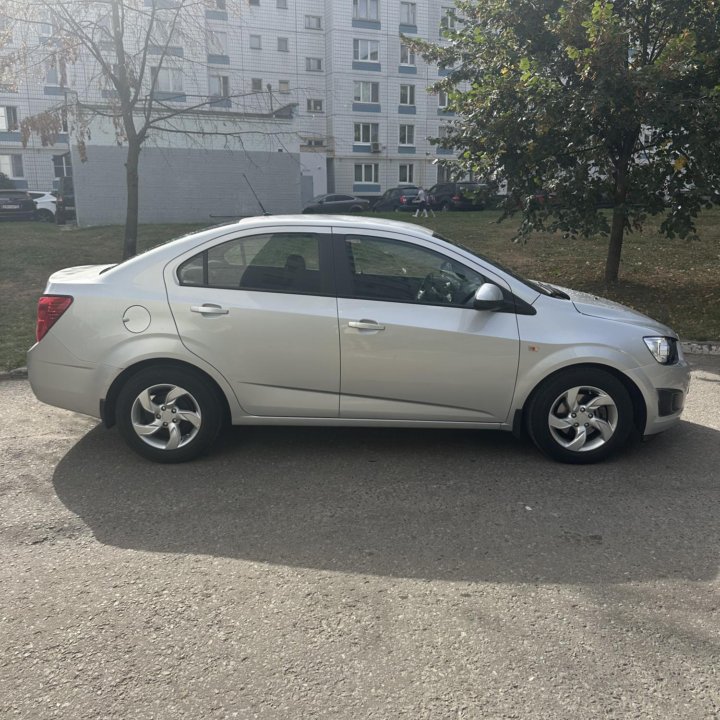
(594, 103)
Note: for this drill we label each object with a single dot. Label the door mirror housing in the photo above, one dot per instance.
(488, 297)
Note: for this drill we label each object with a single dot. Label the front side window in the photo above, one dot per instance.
(407, 94)
(407, 56)
(366, 50)
(271, 262)
(390, 270)
(367, 172)
(366, 132)
(407, 135)
(365, 10)
(366, 92)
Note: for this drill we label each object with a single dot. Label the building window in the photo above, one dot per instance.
(8, 118)
(407, 135)
(216, 4)
(366, 50)
(62, 166)
(314, 106)
(313, 22)
(282, 4)
(407, 173)
(284, 86)
(54, 67)
(256, 84)
(167, 79)
(313, 64)
(217, 42)
(407, 56)
(407, 13)
(367, 172)
(365, 10)
(283, 45)
(447, 18)
(366, 92)
(314, 142)
(366, 133)
(407, 94)
(255, 42)
(442, 99)
(12, 166)
(219, 86)
(253, 2)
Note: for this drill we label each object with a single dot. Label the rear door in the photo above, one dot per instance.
(260, 307)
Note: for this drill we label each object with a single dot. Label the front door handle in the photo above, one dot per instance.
(209, 309)
(365, 325)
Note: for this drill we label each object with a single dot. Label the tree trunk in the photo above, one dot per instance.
(133, 184)
(617, 229)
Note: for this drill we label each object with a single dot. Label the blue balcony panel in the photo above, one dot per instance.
(408, 29)
(366, 107)
(407, 109)
(218, 60)
(361, 148)
(366, 187)
(362, 65)
(171, 50)
(9, 136)
(406, 149)
(53, 90)
(366, 24)
(407, 70)
(216, 15)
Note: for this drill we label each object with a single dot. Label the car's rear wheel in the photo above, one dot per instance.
(356, 208)
(44, 215)
(169, 414)
(580, 416)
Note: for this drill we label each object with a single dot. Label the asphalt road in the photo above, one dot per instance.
(325, 573)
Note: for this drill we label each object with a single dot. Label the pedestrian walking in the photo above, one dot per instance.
(422, 204)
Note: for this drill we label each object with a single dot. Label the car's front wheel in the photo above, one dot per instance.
(169, 414)
(581, 415)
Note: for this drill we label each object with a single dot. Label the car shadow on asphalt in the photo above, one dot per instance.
(447, 505)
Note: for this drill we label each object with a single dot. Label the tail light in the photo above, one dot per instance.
(456, 198)
(403, 199)
(50, 309)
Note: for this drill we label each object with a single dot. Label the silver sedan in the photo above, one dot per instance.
(297, 320)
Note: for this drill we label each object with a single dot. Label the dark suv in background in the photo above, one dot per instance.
(457, 196)
(65, 206)
(397, 199)
(16, 205)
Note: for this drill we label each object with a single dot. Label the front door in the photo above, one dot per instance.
(261, 309)
(412, 345)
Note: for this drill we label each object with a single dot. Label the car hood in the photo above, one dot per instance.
(594, 306)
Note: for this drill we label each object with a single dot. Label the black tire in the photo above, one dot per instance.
(44, 215)
(197, 412)
(356, 209)
(445, 207)
(600, 425)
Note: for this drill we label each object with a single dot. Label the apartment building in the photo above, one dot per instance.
(279, 99)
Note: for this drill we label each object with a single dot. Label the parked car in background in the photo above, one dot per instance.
(342, 321)
(16, 205)
(335, 203)
(65, 206)
(45, 204)
(457, 196)
(397, 199)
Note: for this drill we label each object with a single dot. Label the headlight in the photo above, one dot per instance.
(663, 349)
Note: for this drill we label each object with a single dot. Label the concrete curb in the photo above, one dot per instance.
(691, 347)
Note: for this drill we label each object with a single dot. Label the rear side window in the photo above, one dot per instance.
(273, 262)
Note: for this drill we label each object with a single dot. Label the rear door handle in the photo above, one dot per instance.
(209, 309)
(365, 325)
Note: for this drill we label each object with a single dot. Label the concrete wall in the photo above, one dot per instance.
(185, 185)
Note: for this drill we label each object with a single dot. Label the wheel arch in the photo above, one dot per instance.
(519, 425)
(109, 403)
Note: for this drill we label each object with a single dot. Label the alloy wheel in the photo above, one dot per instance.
(583, 418)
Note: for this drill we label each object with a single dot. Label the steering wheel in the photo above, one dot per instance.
(438, 286)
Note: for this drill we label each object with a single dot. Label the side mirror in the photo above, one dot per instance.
(488, 297)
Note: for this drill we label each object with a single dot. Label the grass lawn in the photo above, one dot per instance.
(675, 281)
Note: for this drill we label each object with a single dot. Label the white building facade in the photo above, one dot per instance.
(328, 84)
